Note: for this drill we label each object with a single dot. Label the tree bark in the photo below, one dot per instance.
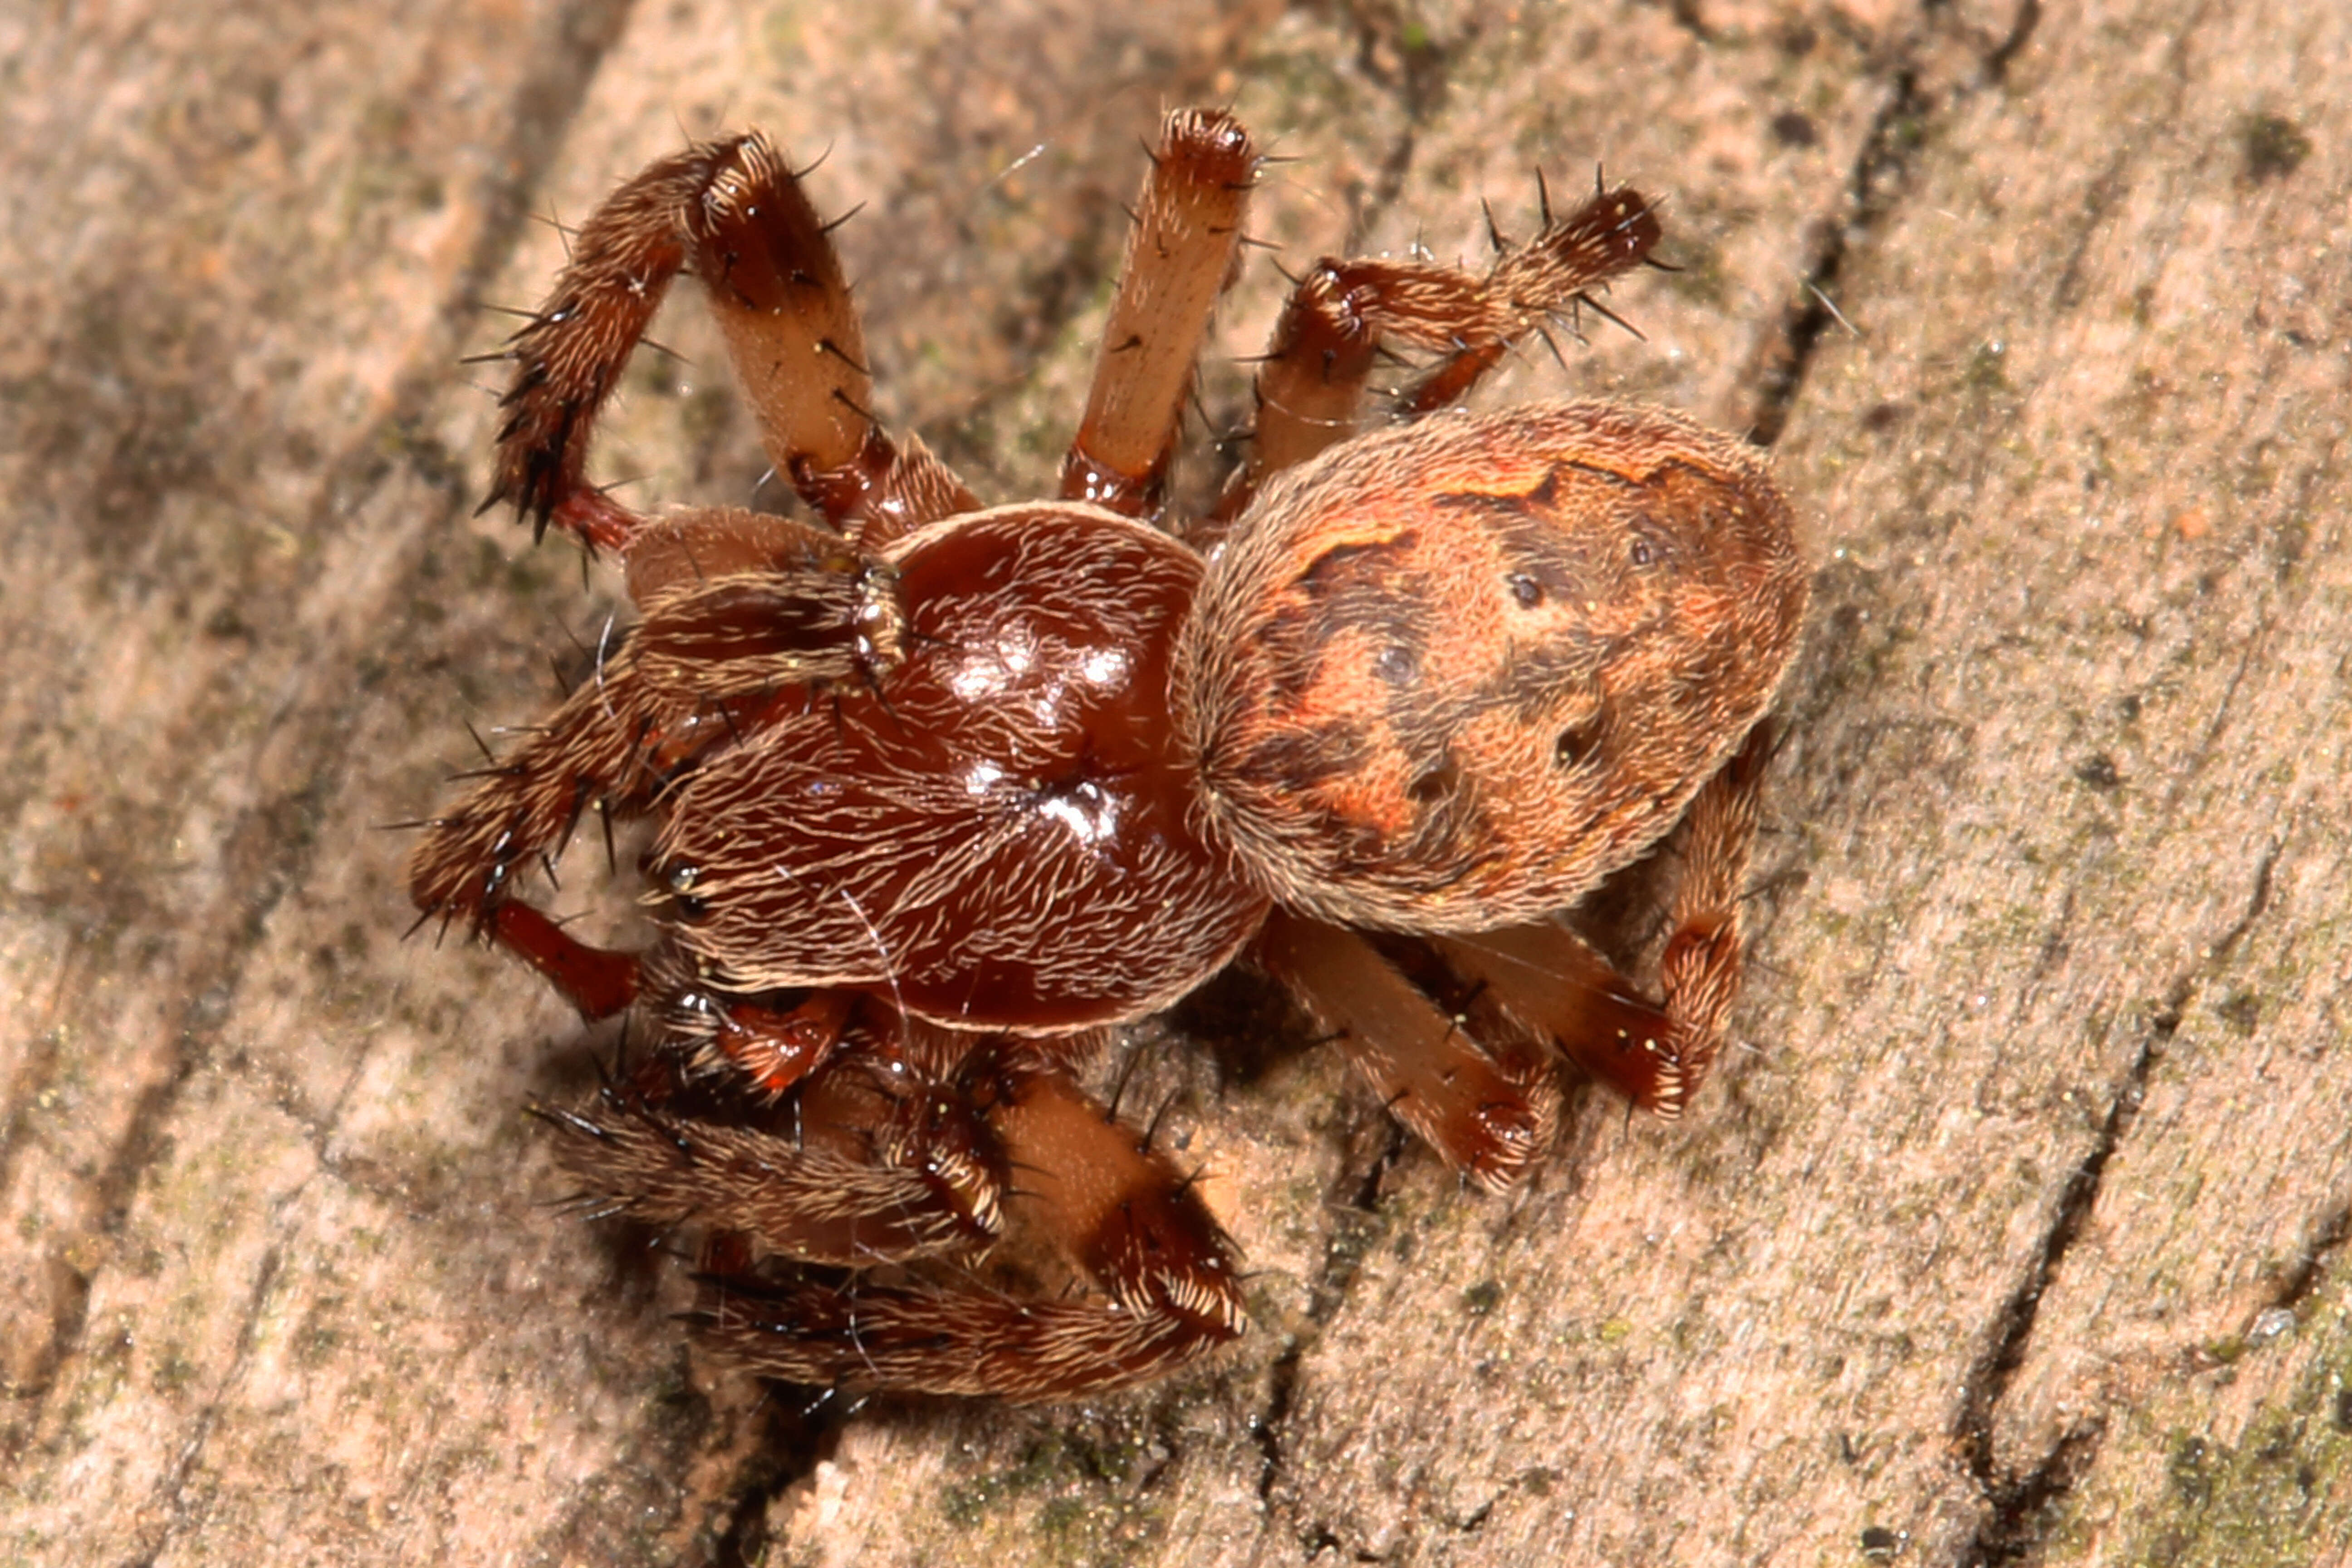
(2013, 1233)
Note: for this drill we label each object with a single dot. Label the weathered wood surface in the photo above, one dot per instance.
(2017, 1234)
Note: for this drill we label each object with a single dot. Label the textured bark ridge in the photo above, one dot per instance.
(2012, 1227)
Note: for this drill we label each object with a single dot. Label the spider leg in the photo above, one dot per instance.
(1699, 972)
(1490, 1112)
(1180, 254)
(744, 614)
(598, 981)
(1345, 314)
(775, 285)
(739, 604)
(592, 750)
(1123, 1213)
(1547, 980)
(734, 213)
(876, 1157)
(570, 355)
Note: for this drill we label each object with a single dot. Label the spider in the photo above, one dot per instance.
(942, 794)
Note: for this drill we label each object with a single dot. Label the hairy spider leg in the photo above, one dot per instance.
(878, 1155)
(744, 614)
(1344, 313)
(775, 285)
(1181, 253)
(571, 353)
(1121, 1211)
(1699, 972)
(733, 213)
(1489, 1110)
(1545, 979)
(594, 751)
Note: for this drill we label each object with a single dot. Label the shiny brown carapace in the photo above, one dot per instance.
(939, 795)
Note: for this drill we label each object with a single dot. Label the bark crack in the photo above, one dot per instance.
(1343, 1256)
(171, 1489)
(2019, 1502)
(1881, 172)
(786, 1454)
(2311, 1270)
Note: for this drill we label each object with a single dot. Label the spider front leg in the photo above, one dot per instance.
(743, 612)
(1180, 254)
(1345, 312)
(522, 811)
(570, 355)
(735, 215)
(1119, 1211)
(1545, 980)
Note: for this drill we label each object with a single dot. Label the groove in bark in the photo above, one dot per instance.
(1881, 170)
(2020, 1504)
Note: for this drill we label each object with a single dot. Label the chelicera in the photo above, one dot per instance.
(940, 794)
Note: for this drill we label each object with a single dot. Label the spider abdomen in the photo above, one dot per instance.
(1449, 676)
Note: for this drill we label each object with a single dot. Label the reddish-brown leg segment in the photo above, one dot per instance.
(1121, 1212)
(569, 358)
(783, 608)
(735, 215)
(1545, 980)
(598, 981)
(878, 1157)
(1491, 1114)
(1344, 312)
(1181, 256)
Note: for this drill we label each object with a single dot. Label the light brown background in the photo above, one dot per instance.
(2016, 1233)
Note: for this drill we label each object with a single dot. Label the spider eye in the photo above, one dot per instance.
(680, 882)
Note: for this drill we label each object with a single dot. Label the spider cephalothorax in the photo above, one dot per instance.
(939, 794)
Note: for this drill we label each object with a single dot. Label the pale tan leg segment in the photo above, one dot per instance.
(776, 287)
(1491, 1114)
(1181, 256)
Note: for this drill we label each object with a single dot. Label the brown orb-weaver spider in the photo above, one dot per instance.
(942, 794)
